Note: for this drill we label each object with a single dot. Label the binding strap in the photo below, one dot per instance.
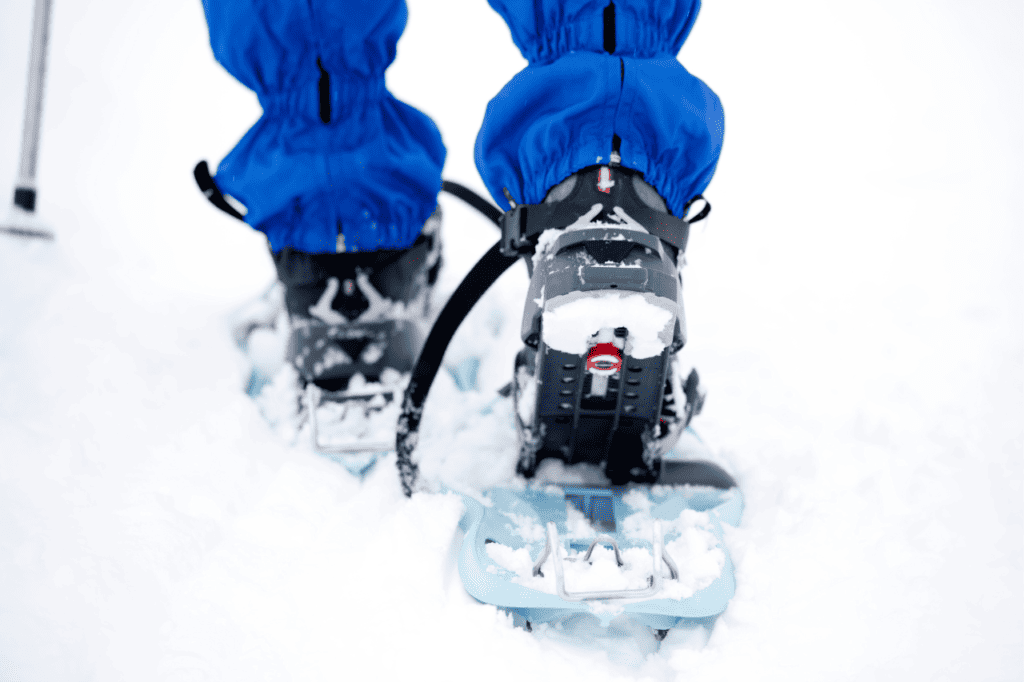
(209, 188)
(522, 225)
(704, 211)
(479, 279)
(489, 210)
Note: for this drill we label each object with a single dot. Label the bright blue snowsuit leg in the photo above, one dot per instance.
(599, 75)
(367, 178)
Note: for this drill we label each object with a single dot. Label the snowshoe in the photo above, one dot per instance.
(654, 555)
(602, 413)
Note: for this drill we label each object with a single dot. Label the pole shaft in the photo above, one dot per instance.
(34, 96)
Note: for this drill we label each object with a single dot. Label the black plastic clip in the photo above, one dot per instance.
(513, 242)
(702, 214)
(210, 190)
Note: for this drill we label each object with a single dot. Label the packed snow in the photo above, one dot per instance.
(854, 307)
(570, 320)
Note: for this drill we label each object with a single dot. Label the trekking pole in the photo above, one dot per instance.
(23, 221)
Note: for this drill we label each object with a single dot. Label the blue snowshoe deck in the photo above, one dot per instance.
(548, 552)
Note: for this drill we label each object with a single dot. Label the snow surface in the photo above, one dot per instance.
(854, 306)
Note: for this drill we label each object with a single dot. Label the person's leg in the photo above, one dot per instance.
(339, 175)
(603, 86)
(335, 164)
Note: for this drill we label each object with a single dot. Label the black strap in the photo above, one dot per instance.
(479, 279)
(492, 212)
(703, 212)
(667, 227)
(487, 270)
(523, 224)
(209, 188)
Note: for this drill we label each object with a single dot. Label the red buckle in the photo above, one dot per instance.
(604, 359)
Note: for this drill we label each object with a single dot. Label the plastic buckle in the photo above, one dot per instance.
(512, 242)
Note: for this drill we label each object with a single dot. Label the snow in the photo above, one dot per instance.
(854, 307)
(569, 321)
(689, 541)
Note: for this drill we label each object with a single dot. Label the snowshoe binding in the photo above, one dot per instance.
(357, 324)
(597, 381)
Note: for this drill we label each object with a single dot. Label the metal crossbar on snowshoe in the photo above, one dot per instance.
(654, 582)
(314, 395)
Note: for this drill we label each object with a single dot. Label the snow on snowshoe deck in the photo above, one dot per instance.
(654, 553)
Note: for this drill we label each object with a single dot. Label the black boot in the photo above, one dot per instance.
(358, 321)
(358, 313)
